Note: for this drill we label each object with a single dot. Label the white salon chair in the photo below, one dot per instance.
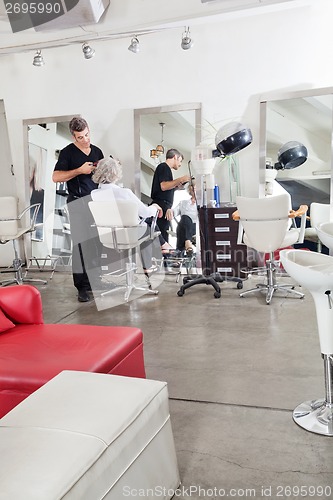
(319, 212)
(325, 234)
(314, 271)
(12, 227)
(118, 229)
(264, 226)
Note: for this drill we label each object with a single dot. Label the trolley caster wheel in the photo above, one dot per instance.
(217, 295)
(180, 293)
(239, 286)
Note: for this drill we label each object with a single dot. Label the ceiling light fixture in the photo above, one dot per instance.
(187, 41)
(88, 52)
(159, 150)
(134, 45)
(160, 147)
(38, 59)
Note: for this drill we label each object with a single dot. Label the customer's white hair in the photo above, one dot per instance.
(108, 171)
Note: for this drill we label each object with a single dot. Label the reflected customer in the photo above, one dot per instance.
(186, 227)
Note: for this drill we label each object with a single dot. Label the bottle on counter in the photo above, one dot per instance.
(217, 195)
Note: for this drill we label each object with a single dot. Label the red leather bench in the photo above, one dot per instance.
(32, 352)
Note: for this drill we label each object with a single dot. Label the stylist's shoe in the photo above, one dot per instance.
(150, 270)
(189, 251)
(83, 296)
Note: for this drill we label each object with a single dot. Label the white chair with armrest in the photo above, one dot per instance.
(319, 213)
(264, 226)
(118, 229)
(13, 225)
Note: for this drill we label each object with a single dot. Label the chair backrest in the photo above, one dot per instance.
(8, 210)
(319, 212)
(117, 222)
(265, 221)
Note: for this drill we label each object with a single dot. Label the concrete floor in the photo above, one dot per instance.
(235, 368)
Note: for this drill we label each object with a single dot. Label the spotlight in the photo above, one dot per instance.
(187, 41)
(135, 45)
(38, 59)
(88, 52)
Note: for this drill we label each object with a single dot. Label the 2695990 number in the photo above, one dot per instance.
(304, 491)
(33, 8)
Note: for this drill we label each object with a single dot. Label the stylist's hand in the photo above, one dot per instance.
(87, 168)
(158, 208)
(182, 180)
(169, 214)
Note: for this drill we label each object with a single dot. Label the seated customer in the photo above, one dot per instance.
(186, 227)
(107, 173)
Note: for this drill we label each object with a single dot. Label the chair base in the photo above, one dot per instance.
(177, 263)
(270, 289)
(18, 278)
(129, 291)
(271, 284)
(315, 416)
(130, 286)
(15, 281)
(212, 279)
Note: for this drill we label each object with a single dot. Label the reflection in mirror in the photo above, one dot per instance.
(181, 130)
(305, 117)
(178, 127)
(44, 138)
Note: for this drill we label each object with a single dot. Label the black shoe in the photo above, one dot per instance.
(83, 296)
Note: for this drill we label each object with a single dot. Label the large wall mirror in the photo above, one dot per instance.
(43, 139)
(176, 126)
(304, 116)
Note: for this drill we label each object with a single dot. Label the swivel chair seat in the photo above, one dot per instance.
(319, 213)
(314, 271)
(325, 234)
(264, 226)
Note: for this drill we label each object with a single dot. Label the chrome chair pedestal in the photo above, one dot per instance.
(271, 285)
(314, 271)
(130, 277)
(317, 415)
(17, 270)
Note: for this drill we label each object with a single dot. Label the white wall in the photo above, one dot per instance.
(229, 67)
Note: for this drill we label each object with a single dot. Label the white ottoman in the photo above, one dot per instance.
(87, 436)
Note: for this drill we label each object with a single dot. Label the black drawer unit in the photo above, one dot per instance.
(220, 252)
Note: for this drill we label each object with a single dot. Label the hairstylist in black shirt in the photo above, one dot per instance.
(163, 188)
(75, 166)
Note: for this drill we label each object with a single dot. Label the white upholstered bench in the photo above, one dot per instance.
(89, 436)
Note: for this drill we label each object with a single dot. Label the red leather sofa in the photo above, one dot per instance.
(32, 352)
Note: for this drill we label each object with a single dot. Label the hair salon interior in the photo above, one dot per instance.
(237, 369)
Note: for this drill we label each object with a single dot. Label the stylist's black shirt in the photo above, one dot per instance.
(162, 174)
(70, 158)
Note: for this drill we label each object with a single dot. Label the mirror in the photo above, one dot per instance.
(304, 116)
(182, 130)
(43, 139)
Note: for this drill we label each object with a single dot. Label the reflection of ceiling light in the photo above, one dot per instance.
(187, 41)
(154, 154)
(135, 45)
(159, 150)
(38, 59)
(88, 52)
